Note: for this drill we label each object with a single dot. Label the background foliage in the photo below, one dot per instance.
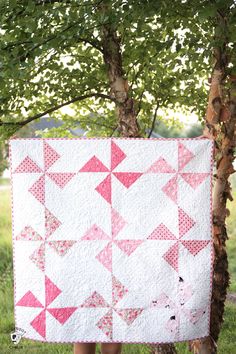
(51, 54)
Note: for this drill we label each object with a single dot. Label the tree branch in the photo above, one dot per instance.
(52, 109)
(140, 102)
(113, 130)
(44, 2)
(154, 120)
(93, 43)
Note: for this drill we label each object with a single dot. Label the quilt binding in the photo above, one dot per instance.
(211, 224)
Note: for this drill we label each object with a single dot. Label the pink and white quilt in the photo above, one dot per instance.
(112, 238)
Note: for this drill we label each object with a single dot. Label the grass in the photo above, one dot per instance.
(4, 181)
(227, 341)
(5, 233)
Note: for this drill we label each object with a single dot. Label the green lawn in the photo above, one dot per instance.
(4, 181)
(227, 342)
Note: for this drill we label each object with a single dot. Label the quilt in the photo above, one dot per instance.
(112, 238)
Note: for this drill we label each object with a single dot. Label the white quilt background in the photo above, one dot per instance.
(112, 238)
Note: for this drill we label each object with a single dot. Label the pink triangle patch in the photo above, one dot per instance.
(39, 323)
(104, 188)
(171, 188)
(162, 301)
(50, 155)
(172, 255)
(162, 233)
(194, 246)
(51, 291)
(105, 257)
(129, 315)
(185, 292)
(117, 222)
(51, 223)
(29, 300)
(95, 300)
(105, 324)
(127, 178)
(60, 178)
(128, 246)
(28, 234)
(118, 290)
(62, 314)
(161, 166)
(194, 315)
(117, 155)
(173, 324)
(61, 247)
(38, 257)
(95, 233)
(94, 165)
(38, 189)
(184, 156)
(194, 179)
(185, 222)
(28, 165)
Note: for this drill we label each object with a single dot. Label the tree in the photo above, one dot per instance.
(220, 126)
(53, 54)
(124, 60)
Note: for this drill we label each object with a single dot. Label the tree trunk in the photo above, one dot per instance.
(163, 349)
(125, 104)
(220, 126)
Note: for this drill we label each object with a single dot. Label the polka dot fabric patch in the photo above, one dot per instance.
(112, 238)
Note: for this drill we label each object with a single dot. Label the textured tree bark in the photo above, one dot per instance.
(125, 104)
(220, 126)
(164, 349)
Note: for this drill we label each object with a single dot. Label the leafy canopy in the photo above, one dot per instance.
(51, 54)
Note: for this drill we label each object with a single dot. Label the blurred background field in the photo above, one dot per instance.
(227, 342)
